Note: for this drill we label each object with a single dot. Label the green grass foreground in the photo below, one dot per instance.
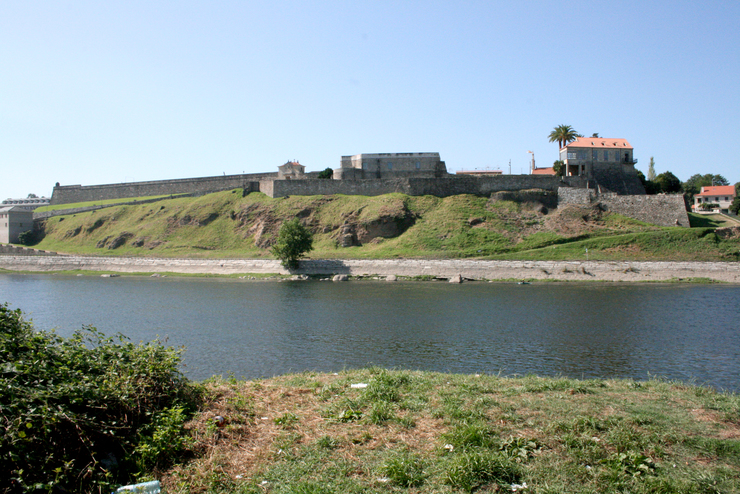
(233, 225)
(89, 413)
(426, 432)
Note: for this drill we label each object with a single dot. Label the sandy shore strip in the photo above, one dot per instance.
(728, 272)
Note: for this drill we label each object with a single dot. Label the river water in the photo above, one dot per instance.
(259, 329)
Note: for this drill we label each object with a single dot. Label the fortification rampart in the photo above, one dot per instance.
(67, 194)
(546, 198)
(440, 187)
(662, 210)
(619, 178)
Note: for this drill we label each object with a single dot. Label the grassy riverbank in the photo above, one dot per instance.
(437, 433)
(229, 225)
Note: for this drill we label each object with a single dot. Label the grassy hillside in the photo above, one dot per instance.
(228, 224)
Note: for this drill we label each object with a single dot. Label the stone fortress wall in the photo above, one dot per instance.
(661, 209)
(440, 187)
(67, 194)
(267, 184)
(412, 174)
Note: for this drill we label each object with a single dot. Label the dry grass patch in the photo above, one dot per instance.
(428, 432)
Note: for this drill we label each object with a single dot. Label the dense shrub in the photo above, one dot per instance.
(293, 242)
(27, 238)
(85, 413)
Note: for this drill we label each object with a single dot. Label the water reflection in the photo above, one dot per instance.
(266, 328)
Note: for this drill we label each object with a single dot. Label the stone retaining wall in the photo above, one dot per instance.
(17, 250)
(661, 209)
(469, 269)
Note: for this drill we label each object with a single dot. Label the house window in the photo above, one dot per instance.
(364, 165)
(390, 165)
(571, 156)
(418, 165)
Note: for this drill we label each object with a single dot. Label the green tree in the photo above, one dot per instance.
(327, 173)
(293, 242)
(595, 134)
(559, 168)
(651, 170)
(735, 206)
(668, 183)
(650, 186)
(563, 134)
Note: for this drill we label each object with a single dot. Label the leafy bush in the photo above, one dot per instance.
(85, 413)
(735, 206)
(326, 173)
(27, 238)
(163, 440)
(293, 242)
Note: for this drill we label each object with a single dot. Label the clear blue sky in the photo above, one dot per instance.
(114, 91)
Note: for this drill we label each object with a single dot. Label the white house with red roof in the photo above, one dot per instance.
(721, 195)
(585, 153)
(607, 163)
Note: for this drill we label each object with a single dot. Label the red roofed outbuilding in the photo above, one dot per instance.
(544, 171)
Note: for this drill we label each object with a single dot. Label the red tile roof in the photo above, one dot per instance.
(544, 171)
(718, 190)
(599, 142)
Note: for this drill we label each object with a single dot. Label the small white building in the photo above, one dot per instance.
(14, 220)
(721, 195)
(292, 170)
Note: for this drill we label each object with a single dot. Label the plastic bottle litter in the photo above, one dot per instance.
(143, 488)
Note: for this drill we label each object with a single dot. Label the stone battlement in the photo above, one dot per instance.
(415, 174)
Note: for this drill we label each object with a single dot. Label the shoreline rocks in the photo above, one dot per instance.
(389, 269)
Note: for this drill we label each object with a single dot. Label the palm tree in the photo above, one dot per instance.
(563, 134)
